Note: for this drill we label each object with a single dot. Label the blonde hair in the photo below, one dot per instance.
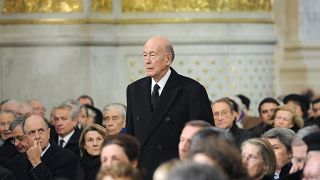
(166, 167)
(296, 120)
(119, 170)
(94, 127)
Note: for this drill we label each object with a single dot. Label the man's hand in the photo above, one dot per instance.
(34, 154)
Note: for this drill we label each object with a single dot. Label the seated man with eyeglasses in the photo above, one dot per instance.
(224, 115)
(42, 160)
(18, 138)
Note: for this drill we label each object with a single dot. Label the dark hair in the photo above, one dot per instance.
(245, 100)
(315, 101)
(130, 144)
(86, 97)
(220, 147)
(267, 100)
(191, 171)
(17, 122)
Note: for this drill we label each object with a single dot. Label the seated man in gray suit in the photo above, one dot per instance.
(42, 161)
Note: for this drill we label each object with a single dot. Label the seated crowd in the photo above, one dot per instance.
(80, 142)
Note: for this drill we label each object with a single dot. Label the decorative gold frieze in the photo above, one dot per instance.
(42, 6)
(101, 5)
(195, 5)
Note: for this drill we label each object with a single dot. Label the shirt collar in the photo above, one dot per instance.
(66, 138)
(162, 82)
(45, 150)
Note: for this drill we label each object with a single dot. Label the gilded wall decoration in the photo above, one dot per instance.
(195, 5)
(101, 5)
(39, 6)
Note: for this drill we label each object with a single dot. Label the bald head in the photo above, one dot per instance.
(36, 130)
(162, 43)
(158, 55)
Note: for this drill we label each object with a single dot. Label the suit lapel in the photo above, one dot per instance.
(165, 101)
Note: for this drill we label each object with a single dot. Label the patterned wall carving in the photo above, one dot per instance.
(222, 75)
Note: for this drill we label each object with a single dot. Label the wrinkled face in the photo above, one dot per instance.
(203, 159)
(185, 139)
(297, 108)
(223, 116)
(312, 169)
(283, 156)
(316, 110)
(299, 155)
(38, 108)
(20, 140)
(92, 143)
(113, 153)
(267, 111)
(63, 122)
(37, 131)
(5, 121)
(283, 119)
(114, 121)
(156, 58)
(252, 160)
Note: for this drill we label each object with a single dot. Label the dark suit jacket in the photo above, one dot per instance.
(7, 151)
(6, 174)
(73, 143)
(240, 135)
(158, 131)
(56, 163)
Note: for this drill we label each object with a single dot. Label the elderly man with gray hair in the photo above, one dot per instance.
(114, 118)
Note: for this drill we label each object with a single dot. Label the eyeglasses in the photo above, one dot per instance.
(222, 113)
(18, 139)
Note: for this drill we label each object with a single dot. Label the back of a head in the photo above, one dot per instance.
(220, 147)
(119, 170)
(191, 171)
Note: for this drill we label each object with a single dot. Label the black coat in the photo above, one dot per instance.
(6, 174)
(182, 99)
(73, 143)
(7, 151)
(89, 167)
(56, 163)
(240, 135)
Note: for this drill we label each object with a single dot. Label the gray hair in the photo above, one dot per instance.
(284, 135)
(224, 100)
(17, 122)
(73, 106)
(298, 138)
(121, 107)
(8, 111)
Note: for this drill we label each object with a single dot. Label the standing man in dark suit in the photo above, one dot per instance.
(159, 105)
(42, 161)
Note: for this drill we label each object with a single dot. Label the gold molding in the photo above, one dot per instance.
(43, 6)
(136, 21)
(137, 6)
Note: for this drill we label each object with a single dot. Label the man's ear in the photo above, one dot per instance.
(168, 58)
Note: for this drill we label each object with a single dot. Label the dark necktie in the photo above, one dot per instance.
(155, 95)
(61, 143)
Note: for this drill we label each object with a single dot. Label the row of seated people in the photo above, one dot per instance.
(68, 128)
